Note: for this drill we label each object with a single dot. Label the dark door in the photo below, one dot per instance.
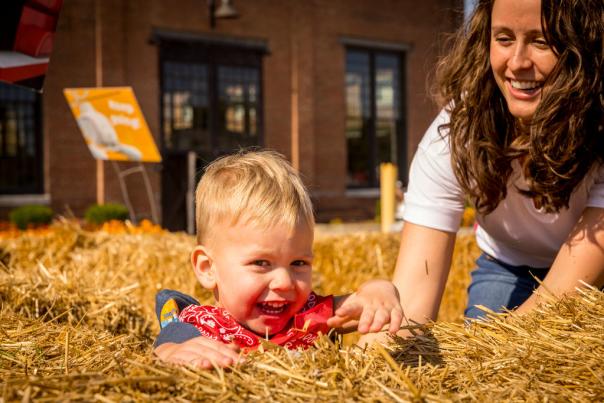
(174, 192)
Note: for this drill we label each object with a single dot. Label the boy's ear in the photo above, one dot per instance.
(203, 267)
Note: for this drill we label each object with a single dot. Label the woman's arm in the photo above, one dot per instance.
(581, 258)
(421, 272)
(422, 269)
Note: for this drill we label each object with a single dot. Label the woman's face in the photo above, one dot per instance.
(520, 57)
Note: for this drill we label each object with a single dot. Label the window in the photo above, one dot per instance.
(20, 141)
(211, 98)
(374, 114)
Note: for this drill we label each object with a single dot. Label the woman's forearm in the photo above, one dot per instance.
(422, 269)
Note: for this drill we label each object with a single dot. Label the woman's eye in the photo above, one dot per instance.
(541, 43)
(503, 40)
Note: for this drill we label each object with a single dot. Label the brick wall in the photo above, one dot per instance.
(304, 69)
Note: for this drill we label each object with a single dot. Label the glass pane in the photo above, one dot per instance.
(252, 93)
(183, 111)
(185, 106)
(11, 133)
(235, 118)
(387, 94)
(238, 89)
(253, 124)
(167, 118)
(357, 118)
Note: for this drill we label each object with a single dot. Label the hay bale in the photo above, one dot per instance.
(110, 280)
(77, 322)
(553, 354)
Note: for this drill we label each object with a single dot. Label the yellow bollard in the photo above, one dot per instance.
(388, 173)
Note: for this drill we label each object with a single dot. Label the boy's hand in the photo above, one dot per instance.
(200, 352)
(374, 305)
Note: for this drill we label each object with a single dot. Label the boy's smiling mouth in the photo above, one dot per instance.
(273, 307)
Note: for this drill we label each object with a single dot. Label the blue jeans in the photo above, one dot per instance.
(500, 286)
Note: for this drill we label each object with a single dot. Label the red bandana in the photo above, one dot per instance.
(216, 323)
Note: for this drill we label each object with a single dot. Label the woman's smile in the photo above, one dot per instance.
(524, 90)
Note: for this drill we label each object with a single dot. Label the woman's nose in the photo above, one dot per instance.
(520, 59)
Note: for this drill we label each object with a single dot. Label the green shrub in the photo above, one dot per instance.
(31, 215)
(100, 213)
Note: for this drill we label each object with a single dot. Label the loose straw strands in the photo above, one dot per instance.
(556, 352)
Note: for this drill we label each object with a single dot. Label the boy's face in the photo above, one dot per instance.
(262, 277)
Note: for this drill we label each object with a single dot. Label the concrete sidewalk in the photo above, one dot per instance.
(368, 226)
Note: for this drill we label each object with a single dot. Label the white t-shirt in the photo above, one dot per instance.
(515, 232)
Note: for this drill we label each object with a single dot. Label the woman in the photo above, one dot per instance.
(521, 137)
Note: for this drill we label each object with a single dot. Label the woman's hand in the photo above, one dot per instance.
(200, 352)
(374, 305)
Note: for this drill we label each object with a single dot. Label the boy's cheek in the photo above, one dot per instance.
(306, 286)
(304, 281)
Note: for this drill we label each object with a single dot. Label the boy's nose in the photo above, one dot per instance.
(282, 280)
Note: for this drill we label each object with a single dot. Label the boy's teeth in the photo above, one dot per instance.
(273, 307)
(524, 85)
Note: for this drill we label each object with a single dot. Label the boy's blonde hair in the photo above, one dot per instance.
(258, 186)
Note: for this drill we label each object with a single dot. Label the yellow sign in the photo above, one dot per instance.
(112, 124)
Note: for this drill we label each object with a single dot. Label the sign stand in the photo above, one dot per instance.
(121, 175)
(100, 182)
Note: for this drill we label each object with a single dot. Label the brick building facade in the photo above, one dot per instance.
(335, 85)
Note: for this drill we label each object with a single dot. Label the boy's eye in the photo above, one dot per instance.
(261, 263)
(300, 263)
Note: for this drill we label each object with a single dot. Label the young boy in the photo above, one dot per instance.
(255, 233)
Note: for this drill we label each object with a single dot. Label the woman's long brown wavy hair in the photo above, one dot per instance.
(565, 138)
